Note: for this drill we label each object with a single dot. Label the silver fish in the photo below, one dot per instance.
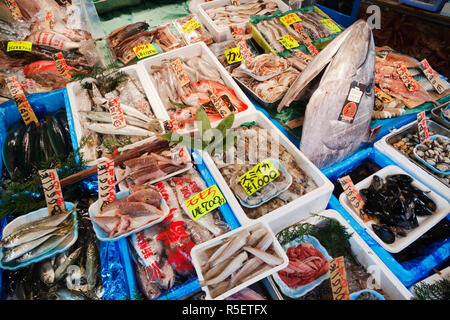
(91, 265)
(66, 294)
(47, 273)
(106, 117)
(248, 267)
(233, 266)
(15, 252)
(351, 57)
(60, 271)
(44, 248)
(108, 128)
(236, 244)
(268, 258)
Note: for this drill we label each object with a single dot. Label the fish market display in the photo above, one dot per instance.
(333, 127)
(436, 153)
(25, 148)
(237, 259)
(254, 145)
(267, 64)
(166, 39)
(395, 204)
(161, 253)
(189, 34)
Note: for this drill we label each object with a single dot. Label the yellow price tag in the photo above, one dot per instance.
(288, 42)
(190, 26)
(205, 202)
(19, 46)
(330, 25)
(233, 55)
(259, 176)
(290, 18)
(145, 50)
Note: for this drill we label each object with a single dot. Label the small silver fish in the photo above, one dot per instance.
(108, 128)
(60, 271)
(91, 265)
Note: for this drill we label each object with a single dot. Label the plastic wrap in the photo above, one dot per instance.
(191, 35)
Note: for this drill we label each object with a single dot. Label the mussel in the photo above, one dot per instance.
(384, 233)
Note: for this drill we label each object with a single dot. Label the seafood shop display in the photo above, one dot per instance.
(436, 153)
(166, 39)
(192, 31)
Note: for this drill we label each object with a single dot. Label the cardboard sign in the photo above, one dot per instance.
(61, 65)
(219, 104)
(19, 46)
(259, 176)
(117, 116)
(288, 42)
(49, 20)
(304, 37)
(351, 105)
(21, 101)
(432, 76)
(238, 38)
(180, 73)
(190, 26)
(205, 202)
(330, 25)
(422, 126)
(52, 191)
(406, 77)
(290, 18)
(338, 279)
(353, 196)
(14, 8)
(106, 183)
(233, 55)
(145, 50)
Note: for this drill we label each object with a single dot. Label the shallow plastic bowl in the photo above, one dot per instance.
(426, 163)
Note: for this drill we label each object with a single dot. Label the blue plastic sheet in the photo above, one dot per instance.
(408, 272)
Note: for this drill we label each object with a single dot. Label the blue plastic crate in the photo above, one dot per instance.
(408, 272)
(435, 5)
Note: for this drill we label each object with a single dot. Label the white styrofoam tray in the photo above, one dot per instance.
(194, 50)
(198, 249)
(425, 223)
(443, 274)
(315, 200)
(388, 282)
(223, 33)
(408, 165)
(75, 105)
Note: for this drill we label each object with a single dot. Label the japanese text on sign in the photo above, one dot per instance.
(62, 65)
(220, 105)
(238, 37)
(382, 96)
(117, 116)
(190, 26)
(49, 20)
(406, 77)
(21, 101)
(14, 8)
(52, 191)
(259, 176)
(338, 279)
(106, 183)
(353, 196)
(290, 18)
(305, 39)
(288, 42)
(149, 256)
(330, 25)
(422, 126)
(205, 202)
(180, 73)
(233, 55)
(145, 50)
(19, 46)
(432, 76)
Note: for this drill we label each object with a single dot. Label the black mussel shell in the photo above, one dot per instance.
(403, 180)
(384, 233)
(376, 184)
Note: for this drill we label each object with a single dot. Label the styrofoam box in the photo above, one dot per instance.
(223, 33)
(434, 184)
(443, 274)
(196, 251)
(389, 283)
(193, 50)
(75, 104)
(315, 200)
(425, 223)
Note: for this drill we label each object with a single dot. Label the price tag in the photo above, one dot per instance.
(330, 25)
(288, 42)
(259, 176)
(190, 26)
(117, 116)
(179, 154)
(180, 73)
(21, 101)
(52, 191)
(383, 96)
(19, 46)
(219, 104)
(290, 18)
(61, 65)
(49, 20)
(432, 76)
(106, 183)
(145, 50)
(350, 108)
(353, 196)
(238, 37)
(14, 8)
(422, 126)
(205, 202)
(406, 77)
(304, 37)
(338, 279)
(233, 55)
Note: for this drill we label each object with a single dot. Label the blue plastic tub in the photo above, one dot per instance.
(408, 272)
(340, 18)
(435, 5)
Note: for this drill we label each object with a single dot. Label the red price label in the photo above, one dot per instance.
(117, 116)
(21, 101)
(180, 73)
(52, 191)
(406, 77)
(338, 279)
(422, 126)
(106, 183)
(353, 196)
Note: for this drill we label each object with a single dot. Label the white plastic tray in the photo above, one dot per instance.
(316, 200)
(194, 50)
(223, 33)
(425, 223)
(196, 251)
(408, 165)
(389, 283)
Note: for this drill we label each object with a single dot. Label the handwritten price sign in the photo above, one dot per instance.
(238, 38)
(233, 55)
(290, 18)
(432, 76)
(61, 65)
(190, 26)
(52, 191)
(330, 25)
(106, 183)
(259, 176)
(220, 105)
(406, 77)
(205, 202)
(180, 73)
(19, 46)
(145, 50)
(117, 116)
(304, 37)
(21, 101)
(288, 42)
(338, 279)
(422, 126)
(353, 196)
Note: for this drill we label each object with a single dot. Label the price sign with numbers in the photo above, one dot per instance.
(19, 46)
(259, 176)
(238, 38)
(233, 55)
(61, 65)
(354, 197)
(52, 191)
(432, 76)
(180, 73)
(106, 183)
(219, 104)
(304, 37)
(338, 279)
(205, 202)
(422, 126)
(21, 101)
(190, 26)
(406, 77)
(145, 50)
(290, 18)
(288, 42)
(330, 25)
(117, 116)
